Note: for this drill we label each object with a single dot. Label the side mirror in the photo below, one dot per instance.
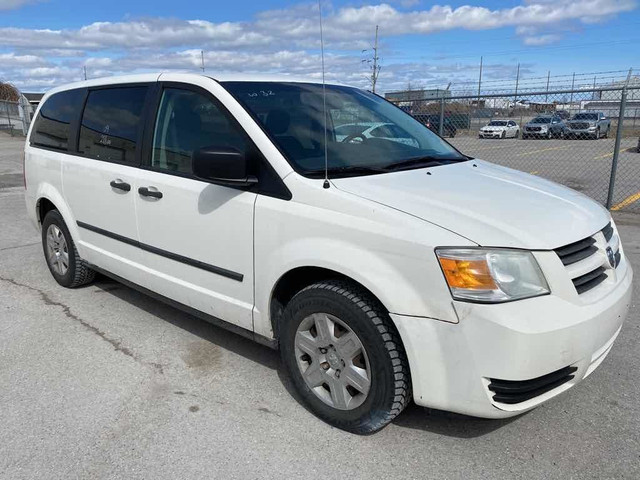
(222, 166)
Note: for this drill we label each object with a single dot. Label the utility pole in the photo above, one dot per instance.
(479, 82)
(376, 67)
(515, 97)
(202, 60)
(546, 97)
(573, 82)
(84, 69)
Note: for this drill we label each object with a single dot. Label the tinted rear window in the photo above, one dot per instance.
(52, 125)
(111, 122)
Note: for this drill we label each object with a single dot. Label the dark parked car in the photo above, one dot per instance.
(563, 114)
(433, 123)
(545, 126)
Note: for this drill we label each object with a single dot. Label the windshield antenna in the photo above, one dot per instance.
(326, 183)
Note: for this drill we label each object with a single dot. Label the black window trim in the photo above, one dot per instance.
(281, 190)
(139, 138)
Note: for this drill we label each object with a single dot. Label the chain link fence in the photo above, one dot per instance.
(15, 117)
(586, 139)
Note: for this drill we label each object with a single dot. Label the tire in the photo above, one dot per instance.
(549, 135)
(517, 134)
(57, 245)
(503, 135)
(606, 133)
(337, 303)
(597, 135)
(524, 137)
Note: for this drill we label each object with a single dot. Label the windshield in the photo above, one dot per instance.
(585, 116)
(365, 133)
(497, 123)
(541, 120)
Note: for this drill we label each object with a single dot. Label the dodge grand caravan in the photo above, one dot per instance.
(383, 270)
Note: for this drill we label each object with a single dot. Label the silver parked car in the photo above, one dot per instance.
(588, 125)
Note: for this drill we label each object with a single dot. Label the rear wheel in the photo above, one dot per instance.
(60, 252)
(345, 356)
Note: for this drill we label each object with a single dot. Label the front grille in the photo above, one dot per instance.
(518, 391)
(579, 126)
(533, 129)
(584, 250)
(589, 280)
(577, 251)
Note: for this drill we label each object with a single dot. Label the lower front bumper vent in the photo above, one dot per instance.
(517, 391)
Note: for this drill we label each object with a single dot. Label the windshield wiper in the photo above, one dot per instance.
(427, 161)
(350, 169)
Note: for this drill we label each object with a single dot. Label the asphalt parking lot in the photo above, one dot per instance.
(104, 382)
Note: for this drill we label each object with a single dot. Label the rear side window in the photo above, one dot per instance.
(51, 128)
(111, 123)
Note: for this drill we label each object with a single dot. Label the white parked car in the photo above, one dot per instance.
(360, 132)
(397, 272)
(500, 129)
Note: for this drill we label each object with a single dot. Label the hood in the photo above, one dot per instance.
(493, 127)
(488, 204)
(531, 124)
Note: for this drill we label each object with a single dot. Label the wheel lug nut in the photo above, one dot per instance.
(323, 350)
(325, 365)
(338, 373)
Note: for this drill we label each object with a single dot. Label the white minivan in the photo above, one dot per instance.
(383, 270)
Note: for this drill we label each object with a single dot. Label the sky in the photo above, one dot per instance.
(422, 44)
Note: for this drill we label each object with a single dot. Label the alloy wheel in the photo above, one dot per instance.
(57, 250)
(332, 361)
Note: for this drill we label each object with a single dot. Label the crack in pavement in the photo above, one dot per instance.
(117, 346)
(19, 246)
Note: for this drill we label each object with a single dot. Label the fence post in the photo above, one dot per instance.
(7, 104)
(616, 148)
(441, 121)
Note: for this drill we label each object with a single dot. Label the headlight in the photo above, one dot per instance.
(491, 275)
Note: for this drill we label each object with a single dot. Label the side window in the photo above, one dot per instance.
(52, 125)
(512, 123)
(186, 122)
(110, 123)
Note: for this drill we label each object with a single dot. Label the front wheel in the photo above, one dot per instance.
(61, 254)
(597, 135)
(503, 135)
(345, 356)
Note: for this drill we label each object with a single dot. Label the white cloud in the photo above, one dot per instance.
(298, 26)
(13, 4)
(538, 40)
(285, 40)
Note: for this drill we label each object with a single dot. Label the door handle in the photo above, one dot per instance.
(145, 192)
(120, 185)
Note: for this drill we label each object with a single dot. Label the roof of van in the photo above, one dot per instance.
(153, 77)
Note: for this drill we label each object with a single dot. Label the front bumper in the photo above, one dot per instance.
(536, 133)
(490, 134)
(452, 364)
(590, 132)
